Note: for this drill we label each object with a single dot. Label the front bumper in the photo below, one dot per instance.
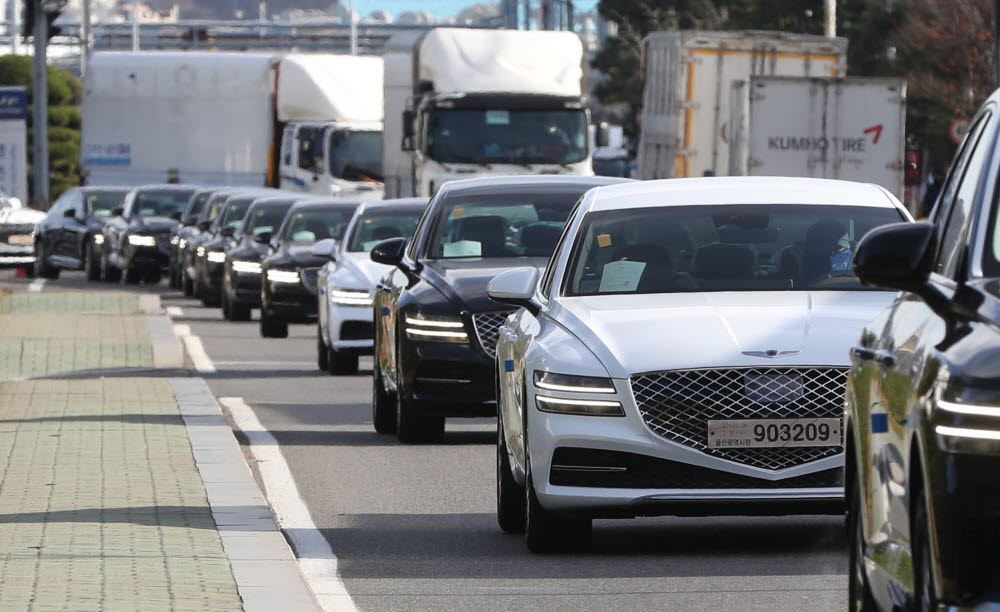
(247, 288)
(351, 329)
(445, 379)
(147, 259)
(291, 302)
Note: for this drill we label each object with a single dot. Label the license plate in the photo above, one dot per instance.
(772, 433)
(21, 239)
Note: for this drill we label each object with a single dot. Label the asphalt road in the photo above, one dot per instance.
(413, 527)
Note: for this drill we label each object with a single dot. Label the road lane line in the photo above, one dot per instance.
(36, 285)
(316, 559)
(195, 349)
(174, 311)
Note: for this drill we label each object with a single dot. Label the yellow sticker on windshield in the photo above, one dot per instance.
(459, 213)
(604, 240)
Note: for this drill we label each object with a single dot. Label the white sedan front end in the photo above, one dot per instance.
(685, 353)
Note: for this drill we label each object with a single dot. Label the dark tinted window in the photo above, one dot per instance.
(99, 203)
(266, 219)
(378, 226)
(308, 226)
(159, 203)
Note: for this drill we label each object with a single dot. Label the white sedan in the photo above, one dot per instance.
(347, 282)
(684, 353)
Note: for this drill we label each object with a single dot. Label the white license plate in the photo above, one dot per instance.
(771, 433)
(21, 239)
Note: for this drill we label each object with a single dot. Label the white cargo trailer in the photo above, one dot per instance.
(845, 128)
(688, 76)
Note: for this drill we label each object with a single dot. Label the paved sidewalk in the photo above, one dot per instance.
(103, 501)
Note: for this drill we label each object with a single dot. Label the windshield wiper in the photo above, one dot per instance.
(360, 173)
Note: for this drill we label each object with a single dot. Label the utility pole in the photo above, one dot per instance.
(84, 38)
(40, 116)
(14, 23)
(830, 18)
(354, 30)
(135, 25)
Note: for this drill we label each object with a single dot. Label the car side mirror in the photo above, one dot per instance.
(204, 225)
(263, 238)
(389, 252)
(70, 213)
(900, 256)
(326, 247)
(176, 215)
(227, 231)
(602, 135)
(117, 211)
(515, 287)
(188, 222)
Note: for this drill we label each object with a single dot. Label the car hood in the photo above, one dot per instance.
(21, 215)
(463, 281)
(303, 258)
(156, 225)
(646, 333)
(358, 271)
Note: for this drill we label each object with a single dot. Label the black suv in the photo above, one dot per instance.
(65, 238)
(923, 399)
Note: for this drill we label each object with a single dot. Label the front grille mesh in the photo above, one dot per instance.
(678, 404)
(309, 276)
(488, 329)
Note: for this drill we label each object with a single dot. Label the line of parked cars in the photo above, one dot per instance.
(678, 347)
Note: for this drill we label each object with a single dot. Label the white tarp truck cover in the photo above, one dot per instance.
(324, 87)
(458, 60)
(686, 97)
(206, 118)
(846, 128)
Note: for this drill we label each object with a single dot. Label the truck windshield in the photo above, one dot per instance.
(356, 156)
(507, 136)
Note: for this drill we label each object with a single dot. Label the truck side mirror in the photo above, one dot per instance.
(408, 131)
(602, 136)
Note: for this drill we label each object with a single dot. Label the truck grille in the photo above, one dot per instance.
(678, 404)
(309, 276)
(488, 329)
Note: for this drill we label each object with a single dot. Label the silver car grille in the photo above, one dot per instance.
(309, 276)
(678, 404)
(488, 329)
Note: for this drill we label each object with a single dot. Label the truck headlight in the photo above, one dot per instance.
(216, 256)
(246, 267)
(551, 381)
(350, 297)
(141, 240)
(436, 328)
(283, 276)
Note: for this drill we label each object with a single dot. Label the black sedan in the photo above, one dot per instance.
(436, 329)
(188, 218)
(136, 242)
(288, 287)
(210, 254)
(195, 238)
(923, 400)
(241, 275)
(65, 238)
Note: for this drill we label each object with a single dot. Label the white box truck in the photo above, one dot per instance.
(220, 118)
(849, 128)
(688, 75)
(462, 102)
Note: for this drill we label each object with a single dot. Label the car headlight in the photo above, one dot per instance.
(551, 381)
(141, 240)
(580, 407)
(967, 427)
(174, 240)
(181, 243)
(200, 251)
(216, 256)
(436, 328)
(246, 267)
(98, 238)
(283, 276)
(350, 297)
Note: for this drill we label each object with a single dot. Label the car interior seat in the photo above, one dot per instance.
(722, 266)
(539, 239)
(488, 231)
(658, 275)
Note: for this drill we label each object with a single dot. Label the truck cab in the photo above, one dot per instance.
(332, 159)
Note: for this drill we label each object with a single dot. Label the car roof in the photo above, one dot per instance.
(115, 188)
(167, 187)
(326, 203)
(398, 203)
(741, 190)
(490, 184)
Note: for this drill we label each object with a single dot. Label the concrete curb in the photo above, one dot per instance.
(149, 303)
(266, 571)
(168, 353)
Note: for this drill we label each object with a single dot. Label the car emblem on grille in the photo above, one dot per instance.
(771, 354)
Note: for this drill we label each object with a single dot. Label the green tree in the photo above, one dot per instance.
(65, 97)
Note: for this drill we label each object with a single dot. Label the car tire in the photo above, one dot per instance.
(925, 593)
(383, 403)
(130, 276)
(548, 532)
(209, 298)
(340, 363)
(413, 428)
(91, 267)
(153, 279)
(322, 354)
(271, 327)
(510, 495)
(187, 285)
(239, 312)
(44, 269)
(860, 593)
(109, 273)
(224, 305)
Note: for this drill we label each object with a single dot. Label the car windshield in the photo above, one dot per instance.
(500, 225)
(375, 227)
(159, 203)
(308, 226)
(266, 219)
(745, 247)
(507, 136)
(356, 156)
(233, 215)
(199, 203)
(99, 203)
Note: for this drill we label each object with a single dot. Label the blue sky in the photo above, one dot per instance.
(439, 8)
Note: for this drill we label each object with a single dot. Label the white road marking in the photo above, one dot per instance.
(195, 349)
(174, 311)
(297, 364)
(316, 559)
(36, 285)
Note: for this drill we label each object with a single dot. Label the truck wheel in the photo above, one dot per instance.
(91, 267)
(271, 327)
(383, 404)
